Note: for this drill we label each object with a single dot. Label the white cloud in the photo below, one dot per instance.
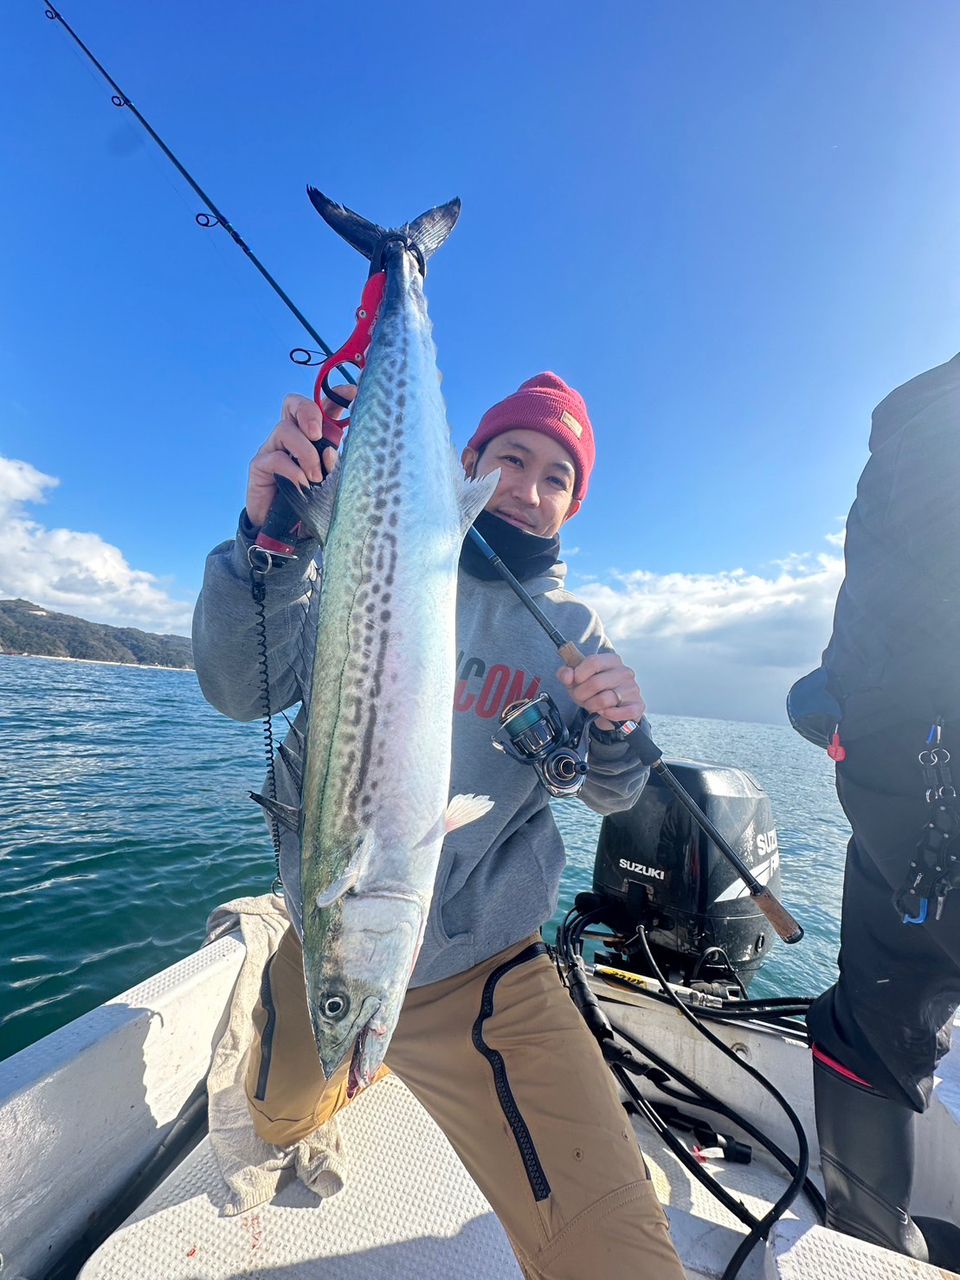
(71, 572)
(725, 644)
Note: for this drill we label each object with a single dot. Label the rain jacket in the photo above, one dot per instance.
(895, 650)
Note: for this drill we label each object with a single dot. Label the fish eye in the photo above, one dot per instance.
(334, 1006)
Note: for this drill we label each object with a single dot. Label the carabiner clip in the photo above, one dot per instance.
(922, 913)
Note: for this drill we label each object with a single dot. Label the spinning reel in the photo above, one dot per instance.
(532, 732)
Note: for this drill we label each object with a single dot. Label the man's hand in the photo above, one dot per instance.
(605, 687)
(289, 451)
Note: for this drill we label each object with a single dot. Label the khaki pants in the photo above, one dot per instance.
(505, 1065)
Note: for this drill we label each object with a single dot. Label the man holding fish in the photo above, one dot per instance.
(415, 918)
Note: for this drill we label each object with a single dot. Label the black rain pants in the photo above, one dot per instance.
(889, 1015)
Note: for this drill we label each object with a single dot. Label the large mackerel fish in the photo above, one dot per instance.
(374, 766)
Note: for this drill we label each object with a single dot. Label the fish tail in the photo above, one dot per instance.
(428, 232)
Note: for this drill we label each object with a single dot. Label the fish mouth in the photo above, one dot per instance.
(355, 1080)
(364, 1064)
(359, 1073)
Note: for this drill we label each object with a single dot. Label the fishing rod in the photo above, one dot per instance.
(650, 754)
(121, 99)
(219, 219)
(566, 648)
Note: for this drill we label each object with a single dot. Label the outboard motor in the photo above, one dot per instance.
(656, 868)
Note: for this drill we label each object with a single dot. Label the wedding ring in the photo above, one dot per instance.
(616, 693)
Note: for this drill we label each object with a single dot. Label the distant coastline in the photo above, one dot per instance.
(97, 662)
(30, 630)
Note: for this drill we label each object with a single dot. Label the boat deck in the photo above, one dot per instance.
(408, 1210)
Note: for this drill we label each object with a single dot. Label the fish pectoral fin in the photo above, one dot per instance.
(285, 814)
(350, 878)
(473, 495)
(315, 507)
(334, 892)
(464, 809)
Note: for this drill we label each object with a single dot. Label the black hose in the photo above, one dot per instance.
(569, 947)
(568, 939)
(777, 1019)
(761, 1230)
(698, 1096)
(689, 1161)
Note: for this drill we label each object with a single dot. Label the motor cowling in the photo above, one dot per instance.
(655, 867)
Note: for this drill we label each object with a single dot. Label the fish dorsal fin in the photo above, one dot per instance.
(350, 878)
(315, 507)
(285, 814)
(464, 809)
(298, 737)
(292, 763)
(473, 495)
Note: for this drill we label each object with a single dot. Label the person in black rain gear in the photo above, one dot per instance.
(887, 690)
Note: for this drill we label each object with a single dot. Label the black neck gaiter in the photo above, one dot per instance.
(524, 554)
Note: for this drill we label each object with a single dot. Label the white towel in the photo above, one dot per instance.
(253, 1169)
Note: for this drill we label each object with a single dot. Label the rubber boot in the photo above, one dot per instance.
(867, 1157)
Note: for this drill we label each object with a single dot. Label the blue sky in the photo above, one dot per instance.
(733, 225)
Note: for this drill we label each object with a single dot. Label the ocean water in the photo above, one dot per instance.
(124, 819)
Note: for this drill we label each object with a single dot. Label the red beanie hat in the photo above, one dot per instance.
(546, 404)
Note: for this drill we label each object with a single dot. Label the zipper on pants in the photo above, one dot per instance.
(266, 1038)
(508, 1103)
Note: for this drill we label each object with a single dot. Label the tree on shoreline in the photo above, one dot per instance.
(27, 628)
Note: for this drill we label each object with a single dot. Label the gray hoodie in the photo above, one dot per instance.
(499, 877)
